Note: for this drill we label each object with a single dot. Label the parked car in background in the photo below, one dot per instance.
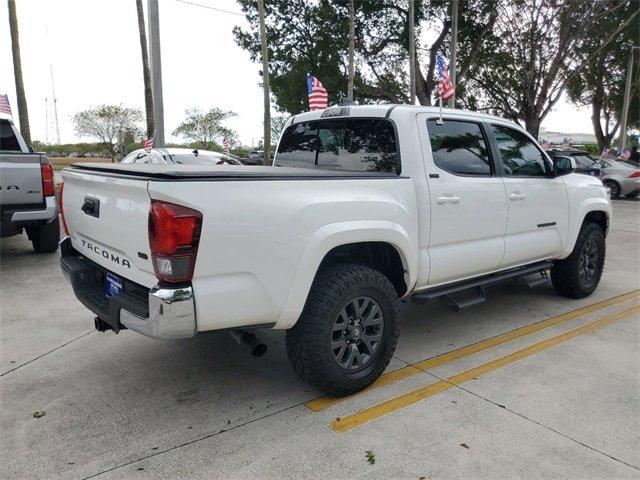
(585, 163)
(27, 194)
(179, 156)
(620, 178)
(255, 158)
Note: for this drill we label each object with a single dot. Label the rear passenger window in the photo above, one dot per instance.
(348, 144)
(459, 147)
(520, 157)
(8, 140)
(298, 145)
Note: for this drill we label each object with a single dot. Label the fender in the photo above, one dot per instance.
(577, 215)
(334, 235)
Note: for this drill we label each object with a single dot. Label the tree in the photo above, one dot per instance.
(148, 94)
(312, 37)
(23, 111)
(107, 123)
(277, 125)
(205, 128)
(601, 83)
(533, 54)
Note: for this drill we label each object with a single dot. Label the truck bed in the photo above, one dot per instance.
(223, 172)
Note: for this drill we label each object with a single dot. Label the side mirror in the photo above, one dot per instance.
(564, 165)
(30, 148)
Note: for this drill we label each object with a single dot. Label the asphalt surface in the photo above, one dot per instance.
(559, 399)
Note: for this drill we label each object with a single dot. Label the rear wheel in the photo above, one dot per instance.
(45, 238)
(348, 329)
(613, 187)
(578, 275)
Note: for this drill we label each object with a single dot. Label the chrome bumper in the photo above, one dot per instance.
(169, 314)
(172, 314)
(49, 212)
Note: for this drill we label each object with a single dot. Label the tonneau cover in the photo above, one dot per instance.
(221, 172)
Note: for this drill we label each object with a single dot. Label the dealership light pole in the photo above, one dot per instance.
(454, 49)
(156, 73)
(266, 160)
(625, 103)
(412, 54)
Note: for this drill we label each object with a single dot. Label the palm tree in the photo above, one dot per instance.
(17, 69)
(148, 95)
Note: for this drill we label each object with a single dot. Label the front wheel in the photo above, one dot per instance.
(348, 329)
(578, 275)
(613, 187)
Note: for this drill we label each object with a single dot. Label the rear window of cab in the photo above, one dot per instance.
(347, 144)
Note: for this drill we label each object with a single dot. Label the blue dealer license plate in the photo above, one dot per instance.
(113, 285)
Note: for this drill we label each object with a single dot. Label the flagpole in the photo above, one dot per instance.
(440, 121)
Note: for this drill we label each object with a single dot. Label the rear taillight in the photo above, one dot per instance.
(635, 174)
(61, 208)
(174, 233)
(47, 179)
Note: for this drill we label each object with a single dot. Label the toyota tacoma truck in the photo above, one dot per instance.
(27, 195)
(363, 206)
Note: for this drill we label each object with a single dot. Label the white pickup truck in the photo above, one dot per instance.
(364, 205)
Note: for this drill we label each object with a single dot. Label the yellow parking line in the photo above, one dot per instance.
(327, 401)
(364, 416)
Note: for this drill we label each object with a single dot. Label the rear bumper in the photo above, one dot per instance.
(50, 211)
(160, 312)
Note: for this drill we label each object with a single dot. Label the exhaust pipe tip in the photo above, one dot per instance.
(250, 341)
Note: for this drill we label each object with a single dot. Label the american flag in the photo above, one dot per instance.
(605, 152)
(445, 90)
(226, 146)
(318, 97)
(566, 144)
(4, 104)
(626, 154)
(546, 144)
(148, 144)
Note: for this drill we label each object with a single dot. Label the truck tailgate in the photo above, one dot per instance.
(21, 179)
(107, 218)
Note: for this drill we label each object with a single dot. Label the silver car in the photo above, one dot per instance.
(620, 178)
(180, 156)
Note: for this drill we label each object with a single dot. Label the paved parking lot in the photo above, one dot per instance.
(527, 385)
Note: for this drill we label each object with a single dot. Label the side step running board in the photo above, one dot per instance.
(474, 291)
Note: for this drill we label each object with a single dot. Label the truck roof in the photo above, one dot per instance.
(383, 111)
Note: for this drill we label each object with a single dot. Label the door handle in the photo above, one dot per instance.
(447, 200)
(517, 196)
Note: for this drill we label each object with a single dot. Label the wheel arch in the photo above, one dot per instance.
(595, 212)
(384, 246)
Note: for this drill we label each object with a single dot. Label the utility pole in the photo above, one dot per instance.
(352, 34)
(454, 50)
(156, 72)
(625, 103)
(46, 121)
(412, 54)
(266, 160)
(55, 105)
(23, 113)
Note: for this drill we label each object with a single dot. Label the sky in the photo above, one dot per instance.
(94, 50)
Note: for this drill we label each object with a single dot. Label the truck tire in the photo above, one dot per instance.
(45, 238)
(578, 275)
(348, 329)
